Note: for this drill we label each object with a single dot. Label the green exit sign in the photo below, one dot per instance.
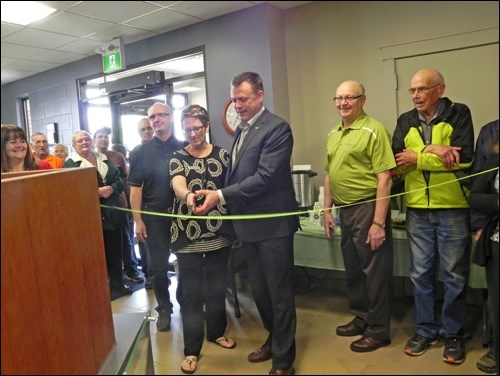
(112, 62)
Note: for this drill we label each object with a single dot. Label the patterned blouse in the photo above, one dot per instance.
(200, 235)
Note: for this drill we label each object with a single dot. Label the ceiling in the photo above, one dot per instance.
(78, 28)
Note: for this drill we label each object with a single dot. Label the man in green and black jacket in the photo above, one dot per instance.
(433, 145)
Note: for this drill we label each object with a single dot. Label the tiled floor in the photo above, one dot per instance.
(319, 349)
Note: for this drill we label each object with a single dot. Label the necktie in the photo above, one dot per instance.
(244, 130)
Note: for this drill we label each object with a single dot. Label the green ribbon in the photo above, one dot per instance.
(285, 214)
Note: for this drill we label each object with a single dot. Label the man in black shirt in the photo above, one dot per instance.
(150, 191)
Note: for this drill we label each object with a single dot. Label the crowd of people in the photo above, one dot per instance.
(450, 194)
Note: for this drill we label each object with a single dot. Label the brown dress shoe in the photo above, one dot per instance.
(351, 329)
(289, 371)
(261, 354)
(367, 344)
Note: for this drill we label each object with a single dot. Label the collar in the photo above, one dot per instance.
(357, 124)
(254, 118)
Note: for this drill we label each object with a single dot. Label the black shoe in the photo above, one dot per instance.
(134, 276)
(487, 362)
(116, 293)
(367, 344)
(418, 344)
(261, 354)
(163, 322)
(351, 329)
(454, 350)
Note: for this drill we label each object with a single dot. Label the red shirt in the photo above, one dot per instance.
(43, 165)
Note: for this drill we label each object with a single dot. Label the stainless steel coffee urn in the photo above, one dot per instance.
(304, 190)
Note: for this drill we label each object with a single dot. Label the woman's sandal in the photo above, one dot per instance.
(227, 343)
(189, 364)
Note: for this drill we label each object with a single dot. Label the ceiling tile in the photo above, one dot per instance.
(126, 32)
(20, 52)
(8, 29)
(163, 20)
(39, 38)
(8, 61)
(95, 22)
(9, 75)
(72, 24)
(209, 9)
(81, 46)
(62, 5)
(34, 66)
(58, 57)
(165, 4)
(114, 11)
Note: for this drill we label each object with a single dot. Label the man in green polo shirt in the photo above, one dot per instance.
(358, 163)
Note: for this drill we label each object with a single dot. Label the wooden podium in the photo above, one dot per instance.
(56, 311)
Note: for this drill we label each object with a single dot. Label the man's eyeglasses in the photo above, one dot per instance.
(348, 99)
(17, 142)
(421, 90)
(145, 129)
(196, 130)
(160, 115)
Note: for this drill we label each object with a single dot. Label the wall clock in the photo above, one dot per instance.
(230, 118)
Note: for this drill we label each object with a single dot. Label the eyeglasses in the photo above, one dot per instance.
(421, 90)
(160, 115)
(146, 129)
(347, 99)
(17, 142)
(196, 130)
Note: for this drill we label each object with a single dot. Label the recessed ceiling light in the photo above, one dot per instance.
(24, 12)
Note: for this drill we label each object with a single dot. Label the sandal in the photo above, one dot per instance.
(227, 343)
(189, 364)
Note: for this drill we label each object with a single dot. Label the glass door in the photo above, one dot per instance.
(120, 100)
(127, 108)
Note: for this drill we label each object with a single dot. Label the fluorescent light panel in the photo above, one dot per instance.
(24, 12)
(187, 89)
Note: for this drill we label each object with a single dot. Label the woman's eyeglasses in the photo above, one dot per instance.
(196, 130)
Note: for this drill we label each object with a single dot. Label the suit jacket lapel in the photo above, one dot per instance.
(252, 132)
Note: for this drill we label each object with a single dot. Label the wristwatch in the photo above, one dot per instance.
(379, 224)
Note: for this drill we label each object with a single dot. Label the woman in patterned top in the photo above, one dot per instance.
(202, 245)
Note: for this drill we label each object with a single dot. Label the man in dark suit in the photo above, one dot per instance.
(259, 181)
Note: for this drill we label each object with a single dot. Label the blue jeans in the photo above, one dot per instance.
(145, 259)
(439, 236)
(158, 244)
(130, 262)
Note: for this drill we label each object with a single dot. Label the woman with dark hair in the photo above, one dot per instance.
(16, 151)
(202, 246)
